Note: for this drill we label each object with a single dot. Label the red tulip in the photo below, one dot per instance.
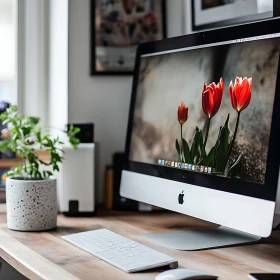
(212, 98)
(240, 93)
(182, 113)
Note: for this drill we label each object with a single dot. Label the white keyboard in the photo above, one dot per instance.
(119, 251)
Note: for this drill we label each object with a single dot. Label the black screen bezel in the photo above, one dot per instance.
(265, 191)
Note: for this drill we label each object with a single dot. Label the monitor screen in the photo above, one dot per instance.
(207, 109)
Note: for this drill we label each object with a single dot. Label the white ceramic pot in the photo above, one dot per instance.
(31, 205)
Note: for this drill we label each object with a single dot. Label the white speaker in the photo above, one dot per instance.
(75, 182)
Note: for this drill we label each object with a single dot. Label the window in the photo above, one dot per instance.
(7, 51)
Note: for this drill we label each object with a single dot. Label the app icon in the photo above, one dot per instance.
(159, 161)
(190, 167)
(186, 166)
(193, 168)
(169, 163)
(172, 163)
(176, 164)
(182, 165)
(179, 165)
(166, 162)
(205, 169)
(209, 169)
(201, 168)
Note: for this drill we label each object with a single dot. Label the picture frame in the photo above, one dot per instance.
(209, 14)
(117, 27)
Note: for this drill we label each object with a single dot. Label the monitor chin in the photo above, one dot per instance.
(249, 215)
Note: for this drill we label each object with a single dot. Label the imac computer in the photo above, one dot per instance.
(204, 132)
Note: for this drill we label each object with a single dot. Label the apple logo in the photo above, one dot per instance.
(181, 198)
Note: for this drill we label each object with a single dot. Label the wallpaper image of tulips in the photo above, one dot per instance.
(210, 107)
(219, 156)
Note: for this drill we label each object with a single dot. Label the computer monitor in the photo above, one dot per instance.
(203, 134)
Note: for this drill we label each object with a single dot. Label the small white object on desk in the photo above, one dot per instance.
(119, 251)
(76, 180)
(184, 274)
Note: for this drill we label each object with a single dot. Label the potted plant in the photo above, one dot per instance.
(30, 187)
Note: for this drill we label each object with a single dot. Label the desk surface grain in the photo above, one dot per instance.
(44, 255)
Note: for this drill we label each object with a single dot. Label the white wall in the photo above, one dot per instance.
(32, 58)
(103, 100)
(58, 63)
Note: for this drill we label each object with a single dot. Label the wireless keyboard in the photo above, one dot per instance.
(119, 251)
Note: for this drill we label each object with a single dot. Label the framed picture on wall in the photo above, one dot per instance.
(208, 14)
(117, 27)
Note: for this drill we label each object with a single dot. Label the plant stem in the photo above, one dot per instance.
(182, 143)
(207, 131)
(25, 168)
(234, 135)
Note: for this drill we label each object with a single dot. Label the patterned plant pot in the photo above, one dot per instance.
(31, 205)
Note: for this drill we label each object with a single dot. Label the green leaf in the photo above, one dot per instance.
(233, 168)
(197, 152)
(210, 158)
(178, 149)
(74, 141)
(76, 130)
(14, 171)
(33, 120)
(186, 151)
(55, 167)
(37, 174)
(44, 163)
(38, 135)
(194, 152)
(72, 132)
(222, 146)
(26, 130)
(201, 146)
(3, 116)
(13, 108)
(4, 145)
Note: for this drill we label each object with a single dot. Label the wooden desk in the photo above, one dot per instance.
(45, 255)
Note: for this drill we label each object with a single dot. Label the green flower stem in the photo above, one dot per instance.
(234, 135)
(207, 132)
(182, 153)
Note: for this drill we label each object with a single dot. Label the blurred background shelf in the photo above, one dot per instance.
(9, 162)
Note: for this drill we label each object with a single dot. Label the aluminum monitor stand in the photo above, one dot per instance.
(191, 240)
